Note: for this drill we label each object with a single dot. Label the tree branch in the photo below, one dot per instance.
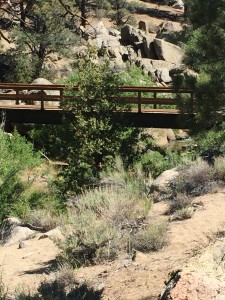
(5, 38)
(68, 11)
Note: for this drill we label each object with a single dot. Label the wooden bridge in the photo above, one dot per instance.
(149, 106)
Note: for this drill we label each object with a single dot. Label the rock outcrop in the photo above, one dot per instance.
(12, 231)
(157, 58)
(190, 286)
(168, 52)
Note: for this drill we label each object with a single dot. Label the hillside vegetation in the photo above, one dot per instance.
(102, 193)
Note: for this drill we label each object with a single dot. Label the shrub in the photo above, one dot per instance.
(44, 218)
(151, 239)
(63, 287)
(182, 214)
(219, 168)
(112, 210)
(154, 163)
(181, 201)
(195, 179)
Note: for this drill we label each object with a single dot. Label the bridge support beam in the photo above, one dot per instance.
(145, 120)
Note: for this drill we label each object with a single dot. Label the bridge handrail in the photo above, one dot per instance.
(139, 100)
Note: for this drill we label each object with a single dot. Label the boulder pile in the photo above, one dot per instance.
(156, 57)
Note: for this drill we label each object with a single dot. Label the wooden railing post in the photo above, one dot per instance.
(42, 100)
(17, 97)
(139, 101)
(155, 96)
(192, 102)
(61, 97)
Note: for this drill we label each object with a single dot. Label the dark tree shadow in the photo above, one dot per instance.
(47, 267)
(56, 291)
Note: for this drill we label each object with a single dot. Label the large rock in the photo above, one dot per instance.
(193, 286)
(158, 70)
(12, 231)
(55, 234)
(169, 27)
(163, 75)
(162, 64)
(179, 4)
(94, 30)
(160, 188)
(148, 46)
(131, 36)
(168, 52)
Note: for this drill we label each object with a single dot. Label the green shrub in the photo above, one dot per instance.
(154, 163)
(20, 166)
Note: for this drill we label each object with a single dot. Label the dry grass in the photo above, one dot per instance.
(182, 214)
(44, 218)
(181, 201)
(151, 239)
(104, 218)
(195, 179)
(219, 168)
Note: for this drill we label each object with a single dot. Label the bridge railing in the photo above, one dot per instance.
(54, 94)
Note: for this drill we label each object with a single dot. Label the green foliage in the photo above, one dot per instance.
(154, 163)
(18, 167)
(211, 140)
(120, 12)
(42, 32)
(95, 135)
(205, 54)
(133, 76)
(16, 155)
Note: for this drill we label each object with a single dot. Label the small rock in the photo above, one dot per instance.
(55, 233)
(22, 244)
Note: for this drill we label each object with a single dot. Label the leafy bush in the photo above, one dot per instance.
(20, 166)
(94, 135)
(151, 239)
(154, 163)
(16, 155)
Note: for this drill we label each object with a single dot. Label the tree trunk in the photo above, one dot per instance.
(83, 10)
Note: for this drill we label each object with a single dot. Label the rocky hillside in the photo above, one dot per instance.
(152, 44)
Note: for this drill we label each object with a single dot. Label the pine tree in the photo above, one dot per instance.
(205, 54)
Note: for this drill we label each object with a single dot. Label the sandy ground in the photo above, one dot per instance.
(123, 279)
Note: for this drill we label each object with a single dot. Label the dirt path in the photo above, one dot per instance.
(27, 267)
(123, 279)
(144, 279)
